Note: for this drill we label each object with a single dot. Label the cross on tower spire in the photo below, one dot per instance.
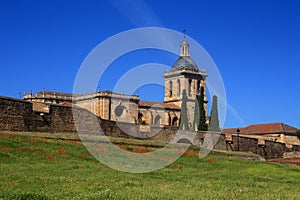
(184, 47)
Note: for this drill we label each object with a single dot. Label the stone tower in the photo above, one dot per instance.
(184, 75)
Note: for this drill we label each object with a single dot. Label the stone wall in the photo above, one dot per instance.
(120, 129)
(18, 115)
(267, 149)
(165, 134)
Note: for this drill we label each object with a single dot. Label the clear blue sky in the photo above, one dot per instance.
(254, 43)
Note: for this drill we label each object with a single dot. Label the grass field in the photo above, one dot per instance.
(45, 168)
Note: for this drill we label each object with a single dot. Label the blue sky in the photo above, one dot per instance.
(255, 45)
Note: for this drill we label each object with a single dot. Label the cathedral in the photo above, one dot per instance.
(108, 105)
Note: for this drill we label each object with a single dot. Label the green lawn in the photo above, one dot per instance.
(40, 168)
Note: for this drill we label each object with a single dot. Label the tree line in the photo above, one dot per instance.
(200, 119)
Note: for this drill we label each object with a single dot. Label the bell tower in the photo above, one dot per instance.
(184, 75)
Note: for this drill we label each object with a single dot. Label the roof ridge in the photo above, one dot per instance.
(267, 123)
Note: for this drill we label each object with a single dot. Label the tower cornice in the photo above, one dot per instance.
(169, 74)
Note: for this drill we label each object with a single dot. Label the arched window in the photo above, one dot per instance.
(157, 120)
(170, 88)
(190, 87)
(178, 88)
(175, 121)
(140, 117)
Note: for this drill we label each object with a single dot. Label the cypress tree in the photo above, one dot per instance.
(196, 114)
(214, 118)
(202, 126)
(184, 125)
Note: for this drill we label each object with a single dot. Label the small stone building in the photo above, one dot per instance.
(277, 132)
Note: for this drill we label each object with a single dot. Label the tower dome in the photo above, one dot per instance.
(184, 62)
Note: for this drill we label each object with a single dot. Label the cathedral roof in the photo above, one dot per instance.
(185, 63)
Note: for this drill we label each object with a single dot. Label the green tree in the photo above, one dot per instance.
(184, 125)
(214, 116)
(202, 126)
(196, 113)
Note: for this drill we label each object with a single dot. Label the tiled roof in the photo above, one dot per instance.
(261, 129)
(230, 130)
(164, 105)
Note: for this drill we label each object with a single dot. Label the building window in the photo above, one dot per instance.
(157, 120)
(140, 117)
(175, 121)
(190, 87)
(170, 88)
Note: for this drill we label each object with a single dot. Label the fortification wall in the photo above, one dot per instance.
(18, 115)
